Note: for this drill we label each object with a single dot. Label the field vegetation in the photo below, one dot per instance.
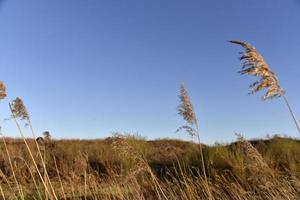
(129, 167)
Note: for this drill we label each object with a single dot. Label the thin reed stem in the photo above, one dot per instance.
(186, 110)
(85, 185)
(32, 176)
(292, 113)
(2, 193)
(43, 158)
(12, 168)
(29, 151)
(202, 161)
(59, 178)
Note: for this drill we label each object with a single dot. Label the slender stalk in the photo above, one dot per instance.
(85, 185)
(45, 172)
(43, 159)
(59, 178)
(12, 168)
(202, 161)
(32, 176)
(2, 193)
(201, 153)
(157, 185)
(26, 144)
(292, 113)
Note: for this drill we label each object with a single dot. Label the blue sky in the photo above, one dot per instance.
(88, 68)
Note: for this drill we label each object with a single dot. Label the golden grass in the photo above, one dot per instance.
(128, 167)
(255, 64)
(186, 110)
(127, 174)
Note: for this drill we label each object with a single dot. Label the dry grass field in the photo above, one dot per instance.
(129, 167)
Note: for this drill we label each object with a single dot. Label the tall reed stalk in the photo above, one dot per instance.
(186, 110)
(19, 111)
(3, 95)
(254, 64)
(12, 168)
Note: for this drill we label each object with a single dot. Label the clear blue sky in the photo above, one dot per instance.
(87, 68)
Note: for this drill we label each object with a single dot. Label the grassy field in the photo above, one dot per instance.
(130, 167)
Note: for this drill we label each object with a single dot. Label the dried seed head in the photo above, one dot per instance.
(19, 110)
(127, 152)
(186, 109)
(2, 90)
(254, 160)
(252, 153)
(254, 64)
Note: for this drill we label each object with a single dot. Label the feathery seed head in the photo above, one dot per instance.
(252, 153)
(2, 90)
(254, 64)
(186, 109)
(19, 110)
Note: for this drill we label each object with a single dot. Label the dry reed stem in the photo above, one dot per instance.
(186, 110)
(59, 178)
(23, 115)
(19, 110)
(2, 193)
(43, 158)
(12, 168)
(31, 174)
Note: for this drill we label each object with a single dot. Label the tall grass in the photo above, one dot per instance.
(241, 170)
(127, 167)
(19, 110)
(186, 110)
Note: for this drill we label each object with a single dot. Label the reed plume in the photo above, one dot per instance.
(257, 161)
(19, 110)
(186, 110)
(253, 63)
(2, 90)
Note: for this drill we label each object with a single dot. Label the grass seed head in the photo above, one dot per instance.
(186, 109)
(2, 90)
(19, 110)
(256, 161)
(254, 64)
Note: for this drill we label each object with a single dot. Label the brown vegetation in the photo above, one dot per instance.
(133, 168)
(129, 167)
